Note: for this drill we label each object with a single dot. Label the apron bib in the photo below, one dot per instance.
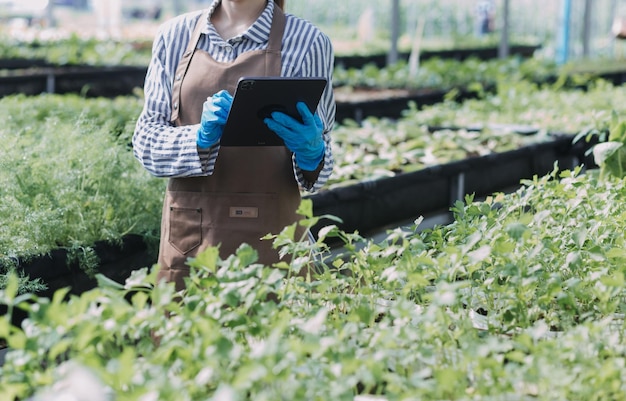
(252, 191)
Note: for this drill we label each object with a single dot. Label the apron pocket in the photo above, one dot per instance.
(196, 220)
(185, 228)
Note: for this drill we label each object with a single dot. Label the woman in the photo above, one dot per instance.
(230, 195)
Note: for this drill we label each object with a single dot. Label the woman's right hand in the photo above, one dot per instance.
(214, 113)
(305, 139)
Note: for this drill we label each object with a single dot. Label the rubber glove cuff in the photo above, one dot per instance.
(204, 140)
(214, 114)
(311, 161)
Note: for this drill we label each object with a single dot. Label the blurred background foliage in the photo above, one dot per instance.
(358, 26)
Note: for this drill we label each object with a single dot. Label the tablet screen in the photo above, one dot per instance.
(256, 97)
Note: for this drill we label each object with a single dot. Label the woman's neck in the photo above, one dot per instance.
(233, 17)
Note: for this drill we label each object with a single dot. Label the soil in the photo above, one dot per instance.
(356, 95)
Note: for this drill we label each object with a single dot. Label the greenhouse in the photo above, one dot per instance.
(436, 213)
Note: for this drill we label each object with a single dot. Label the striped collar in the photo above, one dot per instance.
(258, 32)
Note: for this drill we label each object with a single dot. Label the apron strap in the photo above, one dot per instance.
(183, 65)
(273, 50)
(275, 42)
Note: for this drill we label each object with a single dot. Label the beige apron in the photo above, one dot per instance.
(252, 191)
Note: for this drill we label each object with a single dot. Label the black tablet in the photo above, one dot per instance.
(256, 97)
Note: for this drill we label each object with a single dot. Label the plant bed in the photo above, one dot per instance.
(76, 269)
(19, 63)
(66, 267)
(73, 183)
(435, 77)
(359, 103)
(76, 50)
(87, 80)
(446, 73)
(364, 207)
(520, 298)
(367, 206)
(615, 77)
(460, 54)
(91, 193)
(119, 81)
(353, 101)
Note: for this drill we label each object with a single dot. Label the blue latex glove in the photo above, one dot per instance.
(214, 113)
(304, 138)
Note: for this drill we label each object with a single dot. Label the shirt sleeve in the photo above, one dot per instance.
(164, 149)
(320, 62)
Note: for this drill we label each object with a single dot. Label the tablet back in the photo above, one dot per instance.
(256, 97)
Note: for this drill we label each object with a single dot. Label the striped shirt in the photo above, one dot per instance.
(169, 151)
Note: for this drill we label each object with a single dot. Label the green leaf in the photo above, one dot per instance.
(516, 230)
(614, 280)
(59, 348)
(328, 231)
(106, 282)
(617, 131)
(247, 254)
(206, 259)
(306, 208)
(606, 156)
(516, 356)
(616, 253)
(580, 236)
(365, 313)
(12, 288)
(480, 254)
